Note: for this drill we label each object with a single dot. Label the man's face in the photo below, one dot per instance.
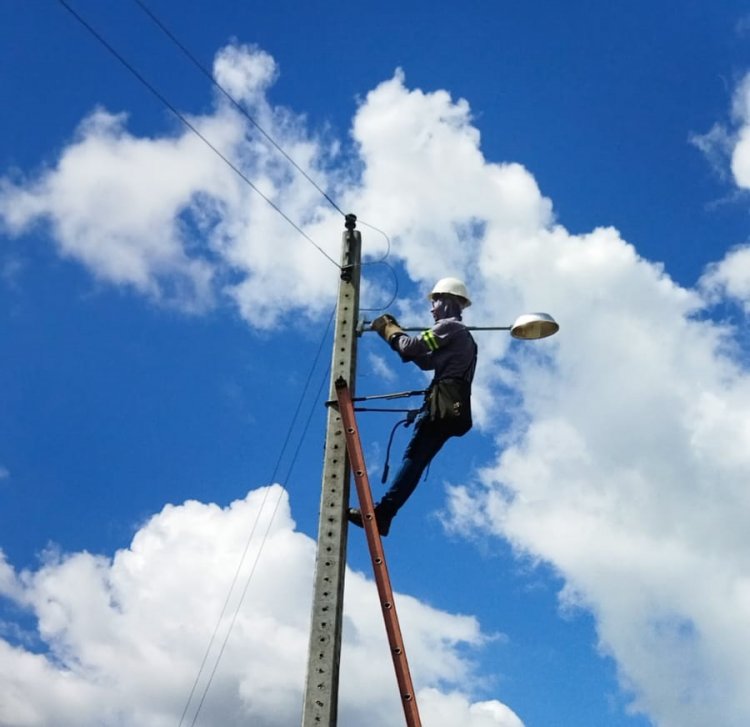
(440, 305)
(445, 306)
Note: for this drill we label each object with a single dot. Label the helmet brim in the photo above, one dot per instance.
(465, 302)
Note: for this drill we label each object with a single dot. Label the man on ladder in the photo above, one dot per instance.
(449, 350)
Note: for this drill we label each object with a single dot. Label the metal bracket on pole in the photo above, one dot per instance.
(377, 554)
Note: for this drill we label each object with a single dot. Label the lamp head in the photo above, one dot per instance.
(534, 325)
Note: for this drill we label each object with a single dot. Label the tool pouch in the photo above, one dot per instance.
(450, 405)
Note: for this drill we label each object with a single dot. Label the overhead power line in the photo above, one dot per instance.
(207, 73)
(250, 538)
(191, 126)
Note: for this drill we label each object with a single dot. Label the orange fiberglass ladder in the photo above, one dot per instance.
(377, 555)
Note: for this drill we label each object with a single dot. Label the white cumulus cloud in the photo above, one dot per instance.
(730, 278)
(244, 72)
(741, 153)
(625, 462)
(622, 443)
(169, 218)
(728, 150)
(123, 637)
(114, 203)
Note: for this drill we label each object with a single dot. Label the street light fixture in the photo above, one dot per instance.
(527, 327)
(534, 325)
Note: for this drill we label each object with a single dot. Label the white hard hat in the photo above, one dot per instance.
(452, 286)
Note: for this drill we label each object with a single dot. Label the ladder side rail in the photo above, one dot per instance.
(377, 555)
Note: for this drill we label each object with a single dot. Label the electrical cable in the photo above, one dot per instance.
(186, 51)
(231, 99)
(207, 73)
(395, 291)
(263, 540)
(244, 177)
(190, 126)
(307, 423)
(381, 261)
(249, 541)
(372, 227)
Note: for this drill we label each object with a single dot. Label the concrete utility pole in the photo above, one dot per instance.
(321, 688)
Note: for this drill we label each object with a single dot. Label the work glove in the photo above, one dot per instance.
(387, 327)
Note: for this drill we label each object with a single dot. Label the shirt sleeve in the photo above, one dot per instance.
(424, 348)
(447, 349)
(416, 346)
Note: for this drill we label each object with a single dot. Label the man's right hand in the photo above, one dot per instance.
(386, 326)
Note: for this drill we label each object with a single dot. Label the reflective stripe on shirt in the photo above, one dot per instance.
(431, 340)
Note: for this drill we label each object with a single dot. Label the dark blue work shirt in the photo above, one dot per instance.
(447, 348)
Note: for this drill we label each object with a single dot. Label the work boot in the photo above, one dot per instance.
(354, 516)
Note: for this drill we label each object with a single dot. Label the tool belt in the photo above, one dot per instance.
(449, 402)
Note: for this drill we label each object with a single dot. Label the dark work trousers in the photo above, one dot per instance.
(425, 443)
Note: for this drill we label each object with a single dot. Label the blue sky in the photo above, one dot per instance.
(580, 558)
